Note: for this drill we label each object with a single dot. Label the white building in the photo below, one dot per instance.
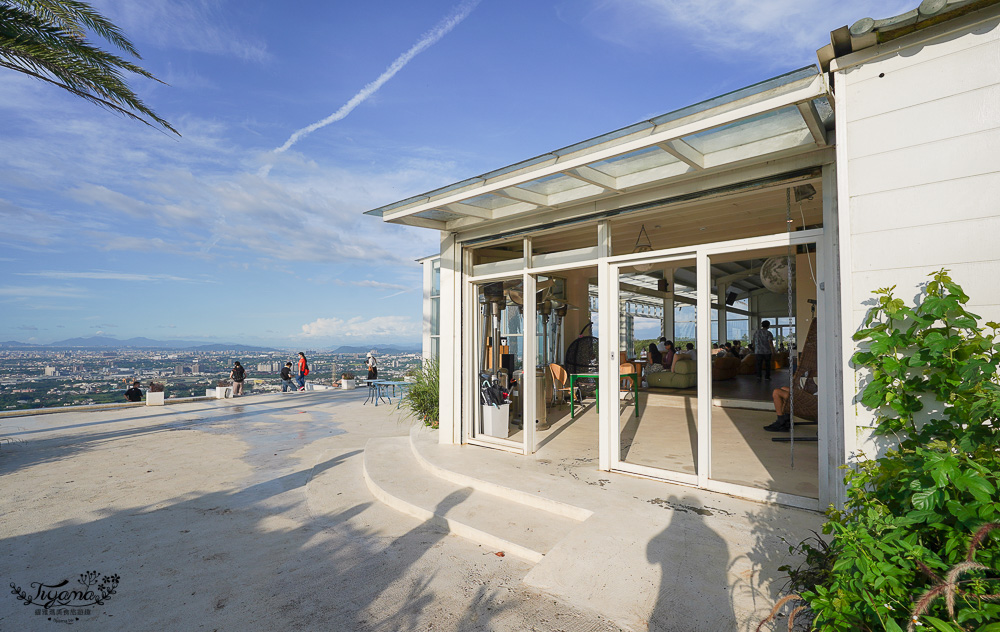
(874, 170)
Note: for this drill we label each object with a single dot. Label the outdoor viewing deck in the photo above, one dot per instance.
(314, 510)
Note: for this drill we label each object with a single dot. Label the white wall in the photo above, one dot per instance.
(918, 128)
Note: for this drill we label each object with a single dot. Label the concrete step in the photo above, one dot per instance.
(398, 479)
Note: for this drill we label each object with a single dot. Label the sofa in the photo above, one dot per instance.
(684, 375)
(725, 368)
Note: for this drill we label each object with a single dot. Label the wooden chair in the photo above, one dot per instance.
(625, 383)
(560, 380)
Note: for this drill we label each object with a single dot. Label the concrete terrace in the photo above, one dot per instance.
(314, 511)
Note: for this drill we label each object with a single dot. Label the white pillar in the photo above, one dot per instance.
(449, 408)
(608, 353)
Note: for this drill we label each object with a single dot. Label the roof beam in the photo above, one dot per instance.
(468, 210)
(813, 122)
(523, 195)
(423, 222)
(683, 152)
(736, 276)
(595, 177)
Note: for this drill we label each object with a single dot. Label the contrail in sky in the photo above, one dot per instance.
(429, 39)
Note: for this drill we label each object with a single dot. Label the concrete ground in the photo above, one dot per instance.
(243, 515)
(259, 514)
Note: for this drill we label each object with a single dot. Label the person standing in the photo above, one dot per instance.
(286, 378)
(134, 394)
(303, 371)
(372, 365)
(238, 374)
(763, 348)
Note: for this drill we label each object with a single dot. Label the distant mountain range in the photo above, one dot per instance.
(379, 349)
(104, 342)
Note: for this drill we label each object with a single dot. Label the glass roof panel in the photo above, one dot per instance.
(735, 95)
(437, 214)
(604, 138)
(489, 201)
(634, 162)
(825, 110)
(451, 188)
(524, 164)
(556, 183)
(748, 130)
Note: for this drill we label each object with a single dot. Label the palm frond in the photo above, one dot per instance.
(45, 39)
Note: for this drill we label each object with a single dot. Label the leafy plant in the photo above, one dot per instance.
(422, 397)
(223, 383)
(917, 513)
(156, 387)
(347, 375)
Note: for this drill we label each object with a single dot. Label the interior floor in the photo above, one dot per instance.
(664, 436)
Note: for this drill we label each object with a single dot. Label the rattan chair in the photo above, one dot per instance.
(806, 403)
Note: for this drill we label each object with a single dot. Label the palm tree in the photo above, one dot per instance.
(46, 39)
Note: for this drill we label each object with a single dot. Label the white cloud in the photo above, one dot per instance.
(383, 286)
(779, 32)
(426, 41)
(104, 276)
(199, 26)
(40, 291)
(397, 327)
(194, 196)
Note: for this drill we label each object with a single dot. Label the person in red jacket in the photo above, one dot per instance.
(303, 371)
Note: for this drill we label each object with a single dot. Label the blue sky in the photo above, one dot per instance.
(110, 227)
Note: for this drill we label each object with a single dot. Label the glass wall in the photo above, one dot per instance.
(435, 307)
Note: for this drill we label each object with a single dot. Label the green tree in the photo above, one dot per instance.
(46, 39)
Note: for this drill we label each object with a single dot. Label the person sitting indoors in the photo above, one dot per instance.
(689, 352)
(780, 397)
(654, 359)
(739, 350)
(727, 351)
(670, 356)
(715, 349)
(661, 345)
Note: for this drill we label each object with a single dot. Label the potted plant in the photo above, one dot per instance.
(347, 381)
(222, 389)
(155, 395)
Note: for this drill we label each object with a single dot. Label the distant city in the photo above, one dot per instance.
(56, 375)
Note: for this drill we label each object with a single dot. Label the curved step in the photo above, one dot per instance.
(521, 497)
(396, 478)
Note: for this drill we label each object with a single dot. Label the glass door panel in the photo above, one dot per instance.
(499, 340)
(657, 414)
(765, 305)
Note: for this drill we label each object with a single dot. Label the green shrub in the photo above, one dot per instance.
(422, 396)
(916, 543)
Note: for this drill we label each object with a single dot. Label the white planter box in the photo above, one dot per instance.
(154, 399)
(347, 385)
(496, 421)
(209, 392)
(222, 392)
